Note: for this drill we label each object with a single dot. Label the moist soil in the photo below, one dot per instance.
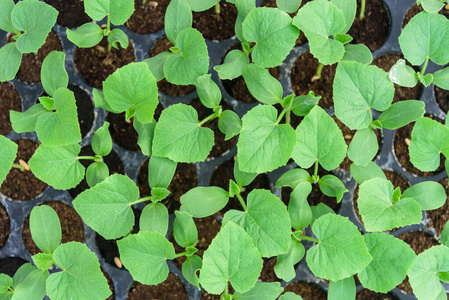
(368, 294)
(442, 97)
(10, 265)
(267, 274)
(304, 69)
(30, 67)
(85, 109)
(402, 140)
(24, 185)
(148, 16)
(185, 179)
(374, 28)
(112, 160)
(164, 45)
(171, 289)
(415, 9)
(9, 100)
(439, 217)
(4, 226)
(96, 64)
(307, 290)
(71, 226)
(71, 12)
(215, 26)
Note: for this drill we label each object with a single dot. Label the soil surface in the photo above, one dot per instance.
(24, 185)
(148, 16)
(71, 12)
(267, 274)
(439, 217)
(442, 97)
(9, 100)
(215, 26)
(96, 64)
(307, 290)
(10, 265)
(71, 226)
(85, 109)
(171, 289)
(415, 9)
(4, 226)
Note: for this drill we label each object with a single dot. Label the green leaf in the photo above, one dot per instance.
(298, 207)
(45, 228)
(53, 73)
(292, 178)
(5, 16)
(262, 290)
(190, 267)
(243, 9)
(265, 220)
(43, 261)
(332, 186)
(341, 251)
(81, 277)
(154, 217)
(8, 152)
(96, 173)
(156, 64)
(444, 239)
(402, 74)
(426, 36)
(35, 19)
(432, 6)
(242, 178)
(364, 173)
(177, 18)
(102, 141)
(402, 113)
(233, 64)
(145, 135)
(100, 101)
(192, 61)
(343, 38)
(392, 259)
(184, 229)
(132, 86)
(229, 123)
(262, 85)
(10, 59)
(119, 11)
(285, 263)
(107, 206)
(359, 53)
(263, 137)
(202, 202)
(342, 289)
(320, 210)
(22, 273)
(426, 80)
(116, 37)
(32, 287)
(58, 166)
(423, 274)
(318, 138)
(5, 283)
(289, 6)
(290, 296)
(429, 139)
(160, 171)
(208, 91)
(378, 211)
(429, 194)
(202, 5)
(357, 89)
(441, 78)
(302, 105)
(60, 127)
(86, 36)
(47, 102)
(349, 9)
(231, 257)
(146, 251)
(363, 146)
(179, 137)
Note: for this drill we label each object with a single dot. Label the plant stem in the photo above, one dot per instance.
(217, 8)
(211, 117)
(315, 173)
(18, 166)
(424, 67)
(108, 30)
(304, 237)
(281, 115)
(287, 117)
(142, 200)
(241, 201)
(86, 157)
(317, 75)
(362, 9)
(181, 254)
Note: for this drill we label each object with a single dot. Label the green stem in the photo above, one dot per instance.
(18, 166)
(149, 198)
(181, 254)
(226, 291)
(217, 8)
(86, 157)
(424, 67)
(241, 201)
(318, 72)
(315, 173)
(362, 10)
(304, 237)
(287, 118)
(281, 115)
(108, 30)
(211, 117)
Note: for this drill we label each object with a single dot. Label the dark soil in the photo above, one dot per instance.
(23, 185)
(442, 97)
(4, 226)
(215, 26)
(71, 226)
(71, 12)
(171, 289)
(10, 265)
(148, 17)
(385, 62)
(85, 109)
(439, 217)
(304, 69)
(307, 290)
(112, 160)
(185, 179)
(368, 294)
(267, 274)
(401, 138)
(96, 64)
(415, 9)
(9, 100)
(374, 29)
(163, 45)
(30, 67)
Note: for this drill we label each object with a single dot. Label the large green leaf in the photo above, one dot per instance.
(262, 290)
(289, 6)
(342, 289)
(392, 258)
(107, 206)
(45, 228)
(285, 263)
(177, 18)
(262, 85)
(53, 73)
(81, 276)
(201, 202)
(118, 10)
(402, 113)
(10, 59)
(35, 19)
(429, 194)
(359, 53)
(5, 16)
(341, 251)
(243, 8)
(32, 287)
(378, 211)
(318, 138)
(179, 137)
(58, 166)
(349, 9)
(231, 257)
(358, 88)
(364, 173)
(266, 221)
(132, 87)
(426, 36)
(145, 256)
(8, 152)
(264, 145)
(267, 27)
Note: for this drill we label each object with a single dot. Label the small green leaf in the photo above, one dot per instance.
(45, 228)
(58, 166)
(285, 263)
(81, 277)
(402, 74)
(53, 73)
(364, 173)
(432, 6)
(332, 186)
(107, 206)
(179, 137)
(426, 80)
(177, 18)
(116, 37)
(146, 251)
(231, 257)
(47, 102)
(32, 287)
(342, 289)
(96, 173)
(102, 141)
(443, 276)
(429, 194)
(8, 152)
(86, 36)
(160, 171)
(119, 11)
(298, 207)
(262, 290)
(159, 194)
(441, 78)
(363, 146)
(156, 64)
(154, 217)
(320, 210)
(208, 91)
(5, 283)
(145, 135)
(202, 202)
(402, 113)
(233, 64)
(343, 38)
(242, 178)
(444, 239)
(302, 105)
(292, 178)
(229, 123)
(359, 53)
(262, 85)
(190, 267)
(43, 261)
(340, 238)
(22, 273)
(289, 6)
(184, 229)
(202, 5)
(5, 16)
(10, 59)
(290, 296)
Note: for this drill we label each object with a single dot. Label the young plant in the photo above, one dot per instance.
(90, 34)
(29, 22)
